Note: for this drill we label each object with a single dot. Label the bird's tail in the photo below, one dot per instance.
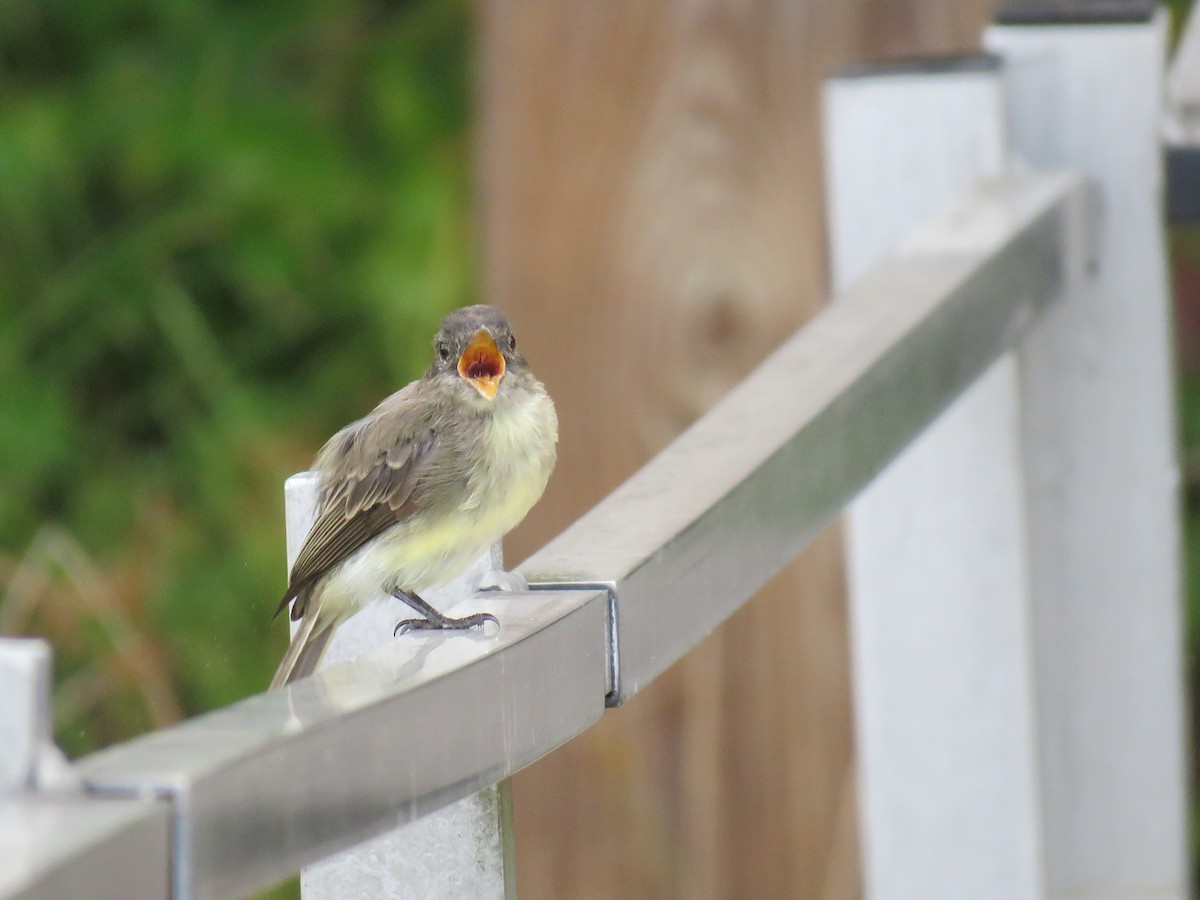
(306, 648)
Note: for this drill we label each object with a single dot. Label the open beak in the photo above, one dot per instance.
(482, 364)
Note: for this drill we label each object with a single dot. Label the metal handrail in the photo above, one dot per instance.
(628, 589)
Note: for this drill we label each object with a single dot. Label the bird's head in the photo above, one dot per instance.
(475, 354)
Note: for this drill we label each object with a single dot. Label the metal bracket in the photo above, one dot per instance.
(614, 696)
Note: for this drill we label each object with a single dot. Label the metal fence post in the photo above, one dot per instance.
(1097, 417)
(30, 761)
(462, 851)
(936, 544)
(56, 840)
(24, 711)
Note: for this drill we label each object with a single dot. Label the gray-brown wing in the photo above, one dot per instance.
(368, 492)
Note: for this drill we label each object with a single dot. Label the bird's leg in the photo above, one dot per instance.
(435, 620)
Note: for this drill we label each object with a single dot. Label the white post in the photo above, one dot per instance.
(1098, 418)
(936, 545)
(24, 711)
(462, 852)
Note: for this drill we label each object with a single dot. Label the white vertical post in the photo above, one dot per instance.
(462, 852)
(24, 711)
(1100, 464)
(936, 545)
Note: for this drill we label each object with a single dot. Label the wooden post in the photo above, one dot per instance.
(650, 177)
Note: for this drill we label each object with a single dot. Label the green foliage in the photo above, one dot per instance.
(226, 229)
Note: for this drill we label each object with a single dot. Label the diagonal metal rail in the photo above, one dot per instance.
(259, 789)
(693, 534)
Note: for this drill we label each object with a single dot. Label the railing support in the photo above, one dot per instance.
(461, 852)
(936, 546)
(55, 841)
(1097, 416)
(24, 712)
(1016, 571)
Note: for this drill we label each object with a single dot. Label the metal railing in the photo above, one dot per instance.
(952, 365)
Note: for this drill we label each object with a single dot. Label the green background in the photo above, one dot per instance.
(226, 229)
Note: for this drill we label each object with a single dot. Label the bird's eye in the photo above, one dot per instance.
(443, 350)
(512, 343)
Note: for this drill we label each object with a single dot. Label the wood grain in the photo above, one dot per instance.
(651, 219)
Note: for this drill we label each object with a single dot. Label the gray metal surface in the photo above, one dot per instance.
(463, 851)
(693, 534)
(282, 779)
(58, 847)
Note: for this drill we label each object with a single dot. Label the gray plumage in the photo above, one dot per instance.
(419, 488)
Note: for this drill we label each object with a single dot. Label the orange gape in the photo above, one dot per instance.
(482, 364)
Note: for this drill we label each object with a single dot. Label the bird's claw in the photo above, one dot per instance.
(478, 620)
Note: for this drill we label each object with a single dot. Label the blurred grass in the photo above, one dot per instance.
(225, 230)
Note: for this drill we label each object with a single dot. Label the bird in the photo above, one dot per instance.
(419, 488)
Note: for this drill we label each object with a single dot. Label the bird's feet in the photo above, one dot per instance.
(434, 620)
(478, 620)
(499, 580)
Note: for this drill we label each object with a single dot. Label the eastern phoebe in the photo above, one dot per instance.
(421, 487)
